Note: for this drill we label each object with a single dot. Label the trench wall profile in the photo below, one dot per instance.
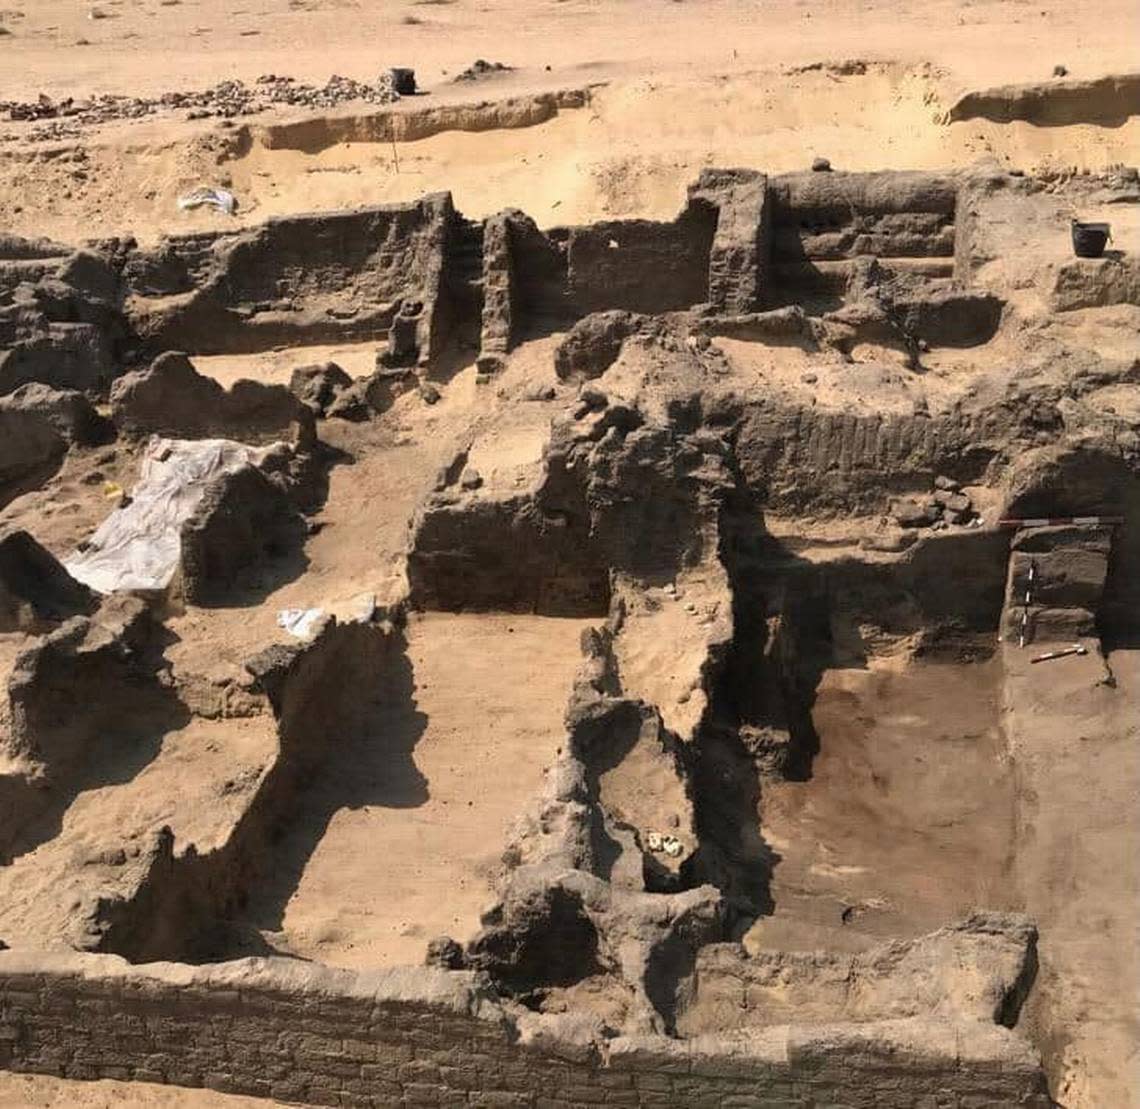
(423, 1036)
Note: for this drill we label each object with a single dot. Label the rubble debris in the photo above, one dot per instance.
(319, 386)
(479, 69)
(228, 99)
(36, 591)
(916, 514)
(594, 344)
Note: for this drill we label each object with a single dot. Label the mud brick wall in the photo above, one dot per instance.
(499, 288)
(308, 278)
(799, 458)
(640, 265)
(842, 215)
(419, 1036)
(1069, 567)
(502, 555)
(738, 267)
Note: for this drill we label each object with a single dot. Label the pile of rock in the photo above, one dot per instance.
(227, 99)
(332, 394)
(947, 505)
(480, 69)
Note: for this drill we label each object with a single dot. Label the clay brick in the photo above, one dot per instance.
(322, 1095)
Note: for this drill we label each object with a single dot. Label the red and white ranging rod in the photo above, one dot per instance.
(1054, 521)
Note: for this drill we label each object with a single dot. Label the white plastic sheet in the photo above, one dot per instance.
(300, 622)
(139, 545)
(220, 199)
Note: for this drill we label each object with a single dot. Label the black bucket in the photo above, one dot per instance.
(403, 81)
(1089, 238)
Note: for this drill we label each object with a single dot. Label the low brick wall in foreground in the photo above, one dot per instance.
(418, 1036)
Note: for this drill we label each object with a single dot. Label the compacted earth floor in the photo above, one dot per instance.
(399, 837)
(907, 819)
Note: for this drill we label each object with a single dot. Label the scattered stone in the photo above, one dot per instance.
(594, 399)
(540, 393)
(318, 385)
(947, 483)
(1060, 71)
(809, 379)
(820, 165)
(429, 394)
(479, 69)
(470, 479)
(445, 953)
(952, 502)
(915, 514)
(228, 99)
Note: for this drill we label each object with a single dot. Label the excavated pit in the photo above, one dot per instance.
(398, 837)
(617, 617)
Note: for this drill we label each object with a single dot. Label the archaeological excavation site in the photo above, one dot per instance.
(463, 659)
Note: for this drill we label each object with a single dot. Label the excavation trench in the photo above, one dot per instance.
(381, 824)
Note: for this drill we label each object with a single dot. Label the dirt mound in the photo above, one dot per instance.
(1106, 101)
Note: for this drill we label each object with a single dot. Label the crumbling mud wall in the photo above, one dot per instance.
(980, 968)
(1056, 581)
(243, 522)
(60, 316)
(298, 1032)
(639, 265)
(741, 248)
(483, 554)
(420, 275)
(296, 279)
(35, 589)
(187, 905)
(100, 662)
(618, 492)
(822, 221)
(170, 397)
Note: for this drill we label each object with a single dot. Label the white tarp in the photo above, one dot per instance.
(139, 545)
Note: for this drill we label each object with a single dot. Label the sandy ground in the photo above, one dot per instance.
(148, 46)
(35, 1091)
(713, 84)
(1074, 738)
(907, 820)
(399, 840)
